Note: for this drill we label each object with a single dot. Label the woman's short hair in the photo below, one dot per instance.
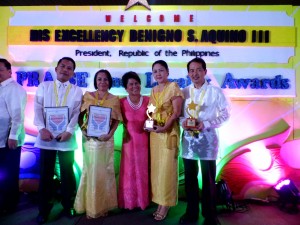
(130, 75)
(108, 75)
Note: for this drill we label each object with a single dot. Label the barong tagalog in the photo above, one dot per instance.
(57, 118)
(150, 122)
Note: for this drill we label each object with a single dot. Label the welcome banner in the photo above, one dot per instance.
(115, 38)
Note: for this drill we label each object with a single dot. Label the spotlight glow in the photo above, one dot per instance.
(261, 158)
(282, 183)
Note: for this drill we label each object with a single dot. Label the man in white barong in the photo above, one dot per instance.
(13, 100)
(55, 96)
(205, 109)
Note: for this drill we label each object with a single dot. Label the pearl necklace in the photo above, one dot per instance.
(135, 106)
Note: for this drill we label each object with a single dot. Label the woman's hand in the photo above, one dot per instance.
(104, 137)
(156, 129)
(159, 129)
(149, 129)
(84, 133)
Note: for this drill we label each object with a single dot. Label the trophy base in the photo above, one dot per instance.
(149, 124)
(191, 123)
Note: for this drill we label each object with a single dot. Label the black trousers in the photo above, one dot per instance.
(9, 177)
(46, 186)
(208, 203)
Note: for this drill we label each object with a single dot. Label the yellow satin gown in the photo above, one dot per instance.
(97, 193)
(164, 149)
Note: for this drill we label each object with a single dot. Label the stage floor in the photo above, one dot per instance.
(246, 213)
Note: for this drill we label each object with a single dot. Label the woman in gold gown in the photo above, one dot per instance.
(97, 192)
(167, 99)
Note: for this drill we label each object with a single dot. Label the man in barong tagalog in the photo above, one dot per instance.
(57, 95)
(12, 134)
(205, 109)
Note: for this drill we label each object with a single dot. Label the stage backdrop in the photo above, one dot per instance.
(252, 53)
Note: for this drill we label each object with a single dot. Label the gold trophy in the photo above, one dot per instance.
(191, 122)
(150, 122)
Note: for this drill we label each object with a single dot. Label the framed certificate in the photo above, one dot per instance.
(98, 121)
(57, 119)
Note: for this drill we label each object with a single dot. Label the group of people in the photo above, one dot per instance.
(149, 160)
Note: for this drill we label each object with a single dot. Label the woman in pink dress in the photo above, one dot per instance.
(134, 168)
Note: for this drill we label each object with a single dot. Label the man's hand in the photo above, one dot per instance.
(46, 135)
(199, 126)
(12, 144)
(64, 136)
(184, 125)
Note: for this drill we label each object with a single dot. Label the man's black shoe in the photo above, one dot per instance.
(185, 219)
(69, 212)
(211, 221)
(44, 213)
(41, 219)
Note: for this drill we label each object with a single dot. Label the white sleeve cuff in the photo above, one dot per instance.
(13, 136)
(40, 127)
